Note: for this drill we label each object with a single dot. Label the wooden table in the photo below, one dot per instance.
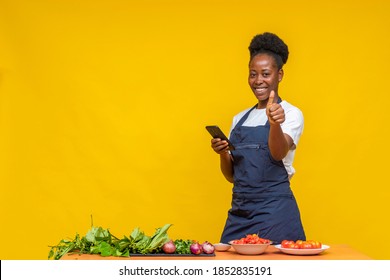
(335, 252)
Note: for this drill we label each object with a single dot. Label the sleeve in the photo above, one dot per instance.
(293, 125)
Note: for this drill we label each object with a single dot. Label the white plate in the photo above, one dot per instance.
(302, 251)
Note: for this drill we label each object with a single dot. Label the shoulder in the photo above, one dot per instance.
(238, 117)
(292, 111)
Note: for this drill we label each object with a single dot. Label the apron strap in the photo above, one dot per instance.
(243, 119)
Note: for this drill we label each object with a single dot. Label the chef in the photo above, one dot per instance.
(265, 138)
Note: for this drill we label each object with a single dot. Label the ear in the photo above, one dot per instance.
(280, 74)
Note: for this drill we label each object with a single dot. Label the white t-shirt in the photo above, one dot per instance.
(292, 126)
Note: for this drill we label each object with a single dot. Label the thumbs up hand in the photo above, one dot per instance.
(275, 112)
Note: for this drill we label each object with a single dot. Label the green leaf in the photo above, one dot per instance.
(103, 235)
(159, 238)
(90, 236)
(94, 250)
(137, 235)
(123, 243)
(105, 249)
(141, 245)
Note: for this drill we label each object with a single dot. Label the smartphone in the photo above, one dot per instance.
(216, 132)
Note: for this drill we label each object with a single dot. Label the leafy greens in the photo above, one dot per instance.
(101, 241)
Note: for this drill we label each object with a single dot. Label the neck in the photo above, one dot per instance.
(262, 104)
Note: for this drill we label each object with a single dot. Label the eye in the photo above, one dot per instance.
(266, 74)
(252, 75)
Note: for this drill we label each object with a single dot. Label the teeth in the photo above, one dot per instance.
(261, 89)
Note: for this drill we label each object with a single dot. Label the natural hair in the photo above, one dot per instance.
(271, 44)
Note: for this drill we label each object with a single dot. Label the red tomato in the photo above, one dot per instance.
(316, 244)
(299, 243)
(287, 243)
(306, 245)
(292, 246)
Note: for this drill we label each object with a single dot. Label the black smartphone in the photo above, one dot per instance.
(216, 132)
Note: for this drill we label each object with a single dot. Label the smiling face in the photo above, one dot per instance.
(264, 76)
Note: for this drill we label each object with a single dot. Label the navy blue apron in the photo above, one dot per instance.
(262, 202)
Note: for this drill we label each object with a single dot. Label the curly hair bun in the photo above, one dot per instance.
(268, 43)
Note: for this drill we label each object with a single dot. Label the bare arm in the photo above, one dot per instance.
(279, 143)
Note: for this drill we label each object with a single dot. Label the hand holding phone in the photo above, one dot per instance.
(216, 132)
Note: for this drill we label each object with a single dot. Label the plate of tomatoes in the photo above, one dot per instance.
(300, 247)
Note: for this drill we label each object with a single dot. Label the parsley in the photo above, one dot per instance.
(183, 246)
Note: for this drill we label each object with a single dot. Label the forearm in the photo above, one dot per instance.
(226, 164)
(277, 142)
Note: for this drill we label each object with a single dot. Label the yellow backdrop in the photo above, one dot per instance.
(104, 104)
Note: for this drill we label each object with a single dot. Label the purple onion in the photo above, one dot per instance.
(196, 248)
(169, 247)
(207, 247)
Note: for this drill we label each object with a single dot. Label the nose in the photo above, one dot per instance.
(258, 80)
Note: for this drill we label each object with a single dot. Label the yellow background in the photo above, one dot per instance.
(103, 106)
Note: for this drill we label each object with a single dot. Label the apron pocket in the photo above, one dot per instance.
(240, 213)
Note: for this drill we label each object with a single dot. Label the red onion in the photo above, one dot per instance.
(169, 247)
(196, 248)
(208, 248)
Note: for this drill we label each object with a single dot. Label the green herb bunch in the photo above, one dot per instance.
(183, 246)
(101, 241)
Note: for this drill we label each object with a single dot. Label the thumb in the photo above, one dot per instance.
(271, 98)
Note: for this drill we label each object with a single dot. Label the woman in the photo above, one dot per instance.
(265, 138)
